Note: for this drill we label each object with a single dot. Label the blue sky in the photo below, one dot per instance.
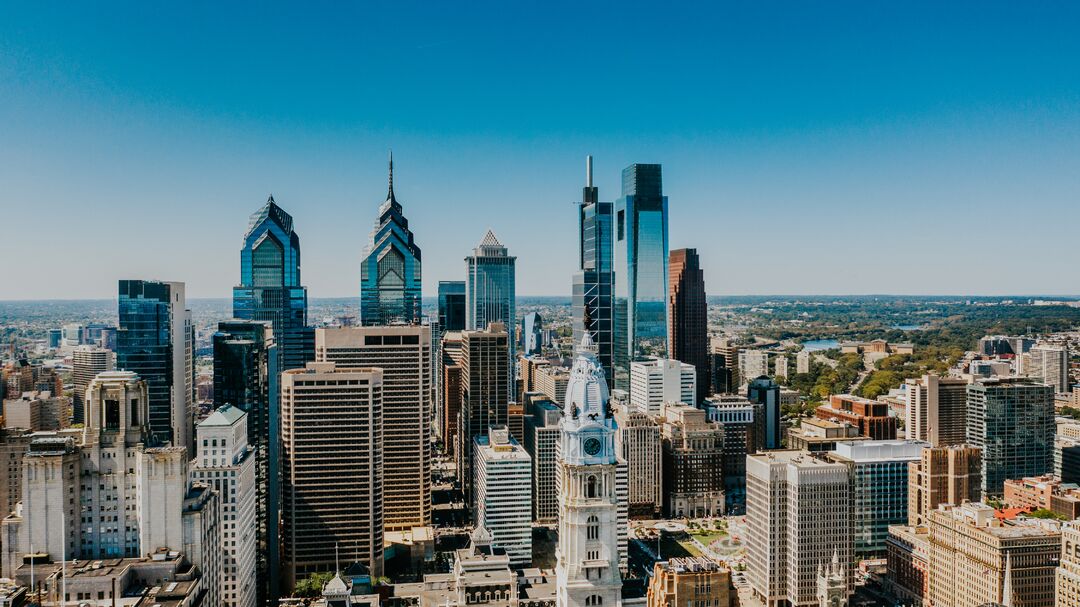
(807, 147)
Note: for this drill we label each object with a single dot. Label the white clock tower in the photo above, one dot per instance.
(587, 573)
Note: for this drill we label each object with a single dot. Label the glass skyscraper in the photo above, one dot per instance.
(593, 286)
(270, 287)
(390, 272)
(490, 291)
(641, 266)
(451, 305)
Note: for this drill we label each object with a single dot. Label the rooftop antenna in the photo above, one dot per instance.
(588, 171)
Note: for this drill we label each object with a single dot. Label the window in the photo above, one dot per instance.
(590, 487)
(592, 529)
(593, 600)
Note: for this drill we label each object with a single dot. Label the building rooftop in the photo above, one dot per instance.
(224, 416)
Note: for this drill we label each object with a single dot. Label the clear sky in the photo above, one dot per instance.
(808, 147)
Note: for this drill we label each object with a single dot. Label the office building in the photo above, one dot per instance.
(490, 293)
(661, 380)
(879, 486)
(1044, 493)
(594, 282)
(225, 461)
(532, 334)
(156, 341)
(693, 581)
(799, 517)
(753, 363)
(693, 474)
(638, 443)
(37, 412)
(551, 381)
(485, 394)
(871, 417)
(725, 365)
(764, 394)
(542, 435)
(802, 362)
(1050, 365)
(452, 305)
(1012, 421)
(908, 563)
(403, 353)
(86, 363)
(735, 414)
(1067, 591)
(937, 410)
(815, 435)
(503, 505)
(640, 266)
(688, 318)
(332, 469)
(390, 271)
(270, 287)
(450, 390)
(1067, 459)
(998, 345)
(943, 475)
(780, 366)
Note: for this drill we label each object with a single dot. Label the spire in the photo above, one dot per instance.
(588, 171)
(270, 200)
(1006, 590)
(390, 191)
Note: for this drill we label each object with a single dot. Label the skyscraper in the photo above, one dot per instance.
(943, 475)
(503, 506)
(688, 320)
(764, 393)
(532, 334)
(485, 394)
(658, 381)
(490, 293)
(593, 283)
(86, 363)
(390, 272)
(1012, 421)
(1050, 364)
(638, 443)
(641, 264)
(452, 305)
(156, 341)
(270, 286)
(937, 410)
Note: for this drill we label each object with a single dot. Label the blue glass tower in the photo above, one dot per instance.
(641, 266)
(593, 286)
(390, 272)
(270, 288)
(452, 305)
(490, 292)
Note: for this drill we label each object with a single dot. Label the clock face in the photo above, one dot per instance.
(592, 446)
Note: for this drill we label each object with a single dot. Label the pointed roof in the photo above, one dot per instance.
(390, 190)
(490, 240)
(1006, 590)
(273, 212)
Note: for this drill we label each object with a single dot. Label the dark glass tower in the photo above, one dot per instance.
(490, 294)
(452, 305)
(688, 321)
(594, 281)
(390, 272)
(641, 263)
(270, 288)
(246, 376)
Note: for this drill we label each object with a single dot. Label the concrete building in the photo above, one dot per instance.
(202, 538)
(802, 362)
(753, 363)
(226, 462)
(37, 412)
(871, 417)
(1067, 590)
(735, 414)
(908, 563)
(694, 581)
(937, 410)
(485, 394)
(551, 381)
(332, 469)
(1012, 421)
(819, 435)
(875, 349)
(780, 366)
(1050, 365)
(86, 363)
(638, 443)
(661, 380)
(1044, 493)
(693, 474)
(943, 475)
(798, 516)
(542, 434)
(404, 355)
(503, 494)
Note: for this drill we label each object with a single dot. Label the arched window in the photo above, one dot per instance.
(590, 487)
(594, 600)
(592, 529)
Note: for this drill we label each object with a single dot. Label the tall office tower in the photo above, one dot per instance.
(1012, 421)
(587, 568)
(1050, 364)
(551, 381)
(879, 486)
(943, 475)
(452, 305)
(490, 294)
(641, 265)
(226, 461)
(802, 362)
(661, 380)
(86, 363)
(735, 414)
(542, 433)
(156, 340)
(594, 281)
(978, 560)
(764, 393)
(450, 390)
(752, 364)
(638, 443)
(485, 394)
(503, 494)
(1067, 591)
(37, 412)
(246, 376)
(532, 334)
(688, 317)
(693, 477)
(797, 509)
(404, 355)
(780, 366)
(270, 287)
(332, 468)
(937, 410)
(725, 365)
(390, 272)
(694, 580)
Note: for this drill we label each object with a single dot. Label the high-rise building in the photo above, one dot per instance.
(753, 363)
(1050, 364)
(591, 531)
(780, 366)
(764, 394)
(156, 340)
(332, 469)
(694, 580)
(661, 380)
(532, 334)
(799, 517)
(270, 287)
(879, 486)
(1067, 591)
(943, 475)
(449, 404)
(551, 381)
(594, 282)
(390, 272)
(693, 476)
(490, 294)
(86, 363)
(802, 362)
(452, 305)
(937, 410)
(640, 266)
(404, 355)
(542, 434)
(735, 414)
(37, 412)
(1012, 421)
(485, 394)
(503, 504)
(638, 443)
(725, 365)
(688, 317)
(224, 460)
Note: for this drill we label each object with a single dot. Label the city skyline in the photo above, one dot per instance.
(850, 125)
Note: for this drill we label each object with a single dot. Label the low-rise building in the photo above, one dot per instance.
(820, 435)
(908, 563)
(871, 417)
(691, 581)
(1046, 493)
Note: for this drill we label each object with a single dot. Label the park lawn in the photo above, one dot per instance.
(709, 536)
(671, 548)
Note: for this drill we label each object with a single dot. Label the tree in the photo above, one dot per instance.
(312, 585)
